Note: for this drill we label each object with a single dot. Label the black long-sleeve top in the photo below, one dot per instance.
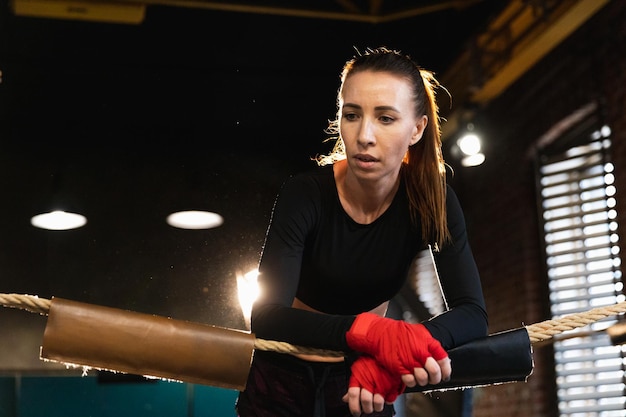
(314, 251)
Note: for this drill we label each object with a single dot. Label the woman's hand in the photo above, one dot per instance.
(371, 386)
(433, 372)
(404, 349)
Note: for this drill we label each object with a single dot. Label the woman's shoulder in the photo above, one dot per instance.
(320, 178)
(305, 194)
(452, 200)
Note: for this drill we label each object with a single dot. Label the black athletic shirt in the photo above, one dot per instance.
(314, 251)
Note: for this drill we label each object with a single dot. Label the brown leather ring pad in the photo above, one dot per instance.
(143, 344)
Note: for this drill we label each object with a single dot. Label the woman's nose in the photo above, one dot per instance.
(366, 134)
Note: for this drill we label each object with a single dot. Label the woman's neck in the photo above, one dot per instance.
(364, 200)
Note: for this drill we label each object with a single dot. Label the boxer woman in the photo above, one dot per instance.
(340, 243)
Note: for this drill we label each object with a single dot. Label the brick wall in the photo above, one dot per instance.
(499, 196)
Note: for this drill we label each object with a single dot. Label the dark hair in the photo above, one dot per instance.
(424, 168)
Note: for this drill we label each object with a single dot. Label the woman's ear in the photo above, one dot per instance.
(418, 130)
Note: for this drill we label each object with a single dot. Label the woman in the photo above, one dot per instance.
(339, 246)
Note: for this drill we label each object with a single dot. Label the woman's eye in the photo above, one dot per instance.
(350, 116)
(386, 119)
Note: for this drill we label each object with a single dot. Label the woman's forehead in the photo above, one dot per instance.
(381, 86)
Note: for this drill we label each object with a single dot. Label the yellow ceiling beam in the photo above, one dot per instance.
(540, 46)
(115, 10)
(95, 11)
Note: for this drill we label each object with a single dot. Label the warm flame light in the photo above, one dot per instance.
(248, 291)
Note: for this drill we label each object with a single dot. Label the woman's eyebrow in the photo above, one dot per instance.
(386, 108)
(377, 108)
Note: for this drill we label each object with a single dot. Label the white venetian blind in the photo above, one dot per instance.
(578, 200)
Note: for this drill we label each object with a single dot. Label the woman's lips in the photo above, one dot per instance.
(365, 161)
(365, 157)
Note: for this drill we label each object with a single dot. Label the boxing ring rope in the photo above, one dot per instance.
(537, 332)
(105, 338)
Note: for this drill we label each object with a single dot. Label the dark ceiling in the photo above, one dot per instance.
(199, 106)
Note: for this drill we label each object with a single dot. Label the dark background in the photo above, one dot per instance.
(127, 260)
(192, 109)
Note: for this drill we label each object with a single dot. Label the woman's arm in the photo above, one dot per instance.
(294, 216)
(466, 318)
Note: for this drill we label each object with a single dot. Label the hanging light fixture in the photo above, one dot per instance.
(60, 206)
(470, 146)
(194, 219)
(58, 220)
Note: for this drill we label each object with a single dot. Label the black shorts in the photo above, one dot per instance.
(281, 385)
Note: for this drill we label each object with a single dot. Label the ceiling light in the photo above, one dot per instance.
(470, 146)
(58, 220)
(473, 160)
(195, 219)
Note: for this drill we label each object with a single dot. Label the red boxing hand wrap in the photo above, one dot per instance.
(399, 346)
(367, 374)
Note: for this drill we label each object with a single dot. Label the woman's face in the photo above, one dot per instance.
(377, 122)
